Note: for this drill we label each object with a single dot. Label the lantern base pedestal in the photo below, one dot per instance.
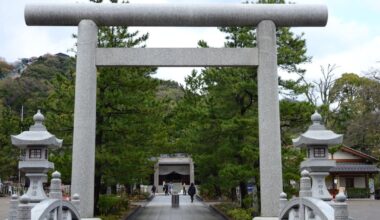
(36, 191)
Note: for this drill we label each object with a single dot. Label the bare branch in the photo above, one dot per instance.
(373, 74)
(325, 83)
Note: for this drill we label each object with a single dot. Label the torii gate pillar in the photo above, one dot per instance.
(269, 119)
(83, 159)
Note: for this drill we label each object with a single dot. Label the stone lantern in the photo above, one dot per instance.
(35, 165)
(317, 139)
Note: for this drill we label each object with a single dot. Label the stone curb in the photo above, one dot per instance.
(199, 198)
(131, 214)
(225, 217)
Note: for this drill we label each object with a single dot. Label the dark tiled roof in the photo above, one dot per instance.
(358, 153)
(354, 168)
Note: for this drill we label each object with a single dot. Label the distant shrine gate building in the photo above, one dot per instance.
(175, 168)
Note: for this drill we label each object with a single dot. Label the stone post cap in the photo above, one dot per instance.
(76, 196)
(24, 199)
(56, 175)
(305, 173)
(283, 195)
(340, 197)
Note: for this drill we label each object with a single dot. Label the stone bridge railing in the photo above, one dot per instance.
(53, 207)
(308, 208)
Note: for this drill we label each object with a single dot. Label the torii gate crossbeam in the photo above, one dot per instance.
(89, 16)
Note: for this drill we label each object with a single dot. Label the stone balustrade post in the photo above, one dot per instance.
(340, 207)
(75, 200)
(283, 201)
(55, 186)
(305, 184)
(24, 208)
(13, 204)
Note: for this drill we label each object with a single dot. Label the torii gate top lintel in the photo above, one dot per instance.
(178, 15)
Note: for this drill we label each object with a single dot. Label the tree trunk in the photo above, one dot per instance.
(113, 189)
(255, 195)
(98, 179)
(128, 190)
(218, 191)
(233, 194)
(243, 194)
(258, 193)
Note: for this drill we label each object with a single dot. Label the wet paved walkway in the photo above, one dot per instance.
(160, 209)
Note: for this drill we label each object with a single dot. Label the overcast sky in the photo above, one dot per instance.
(351, 39)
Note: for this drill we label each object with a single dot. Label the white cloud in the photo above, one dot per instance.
(28, 46)
(336, 36)
(19, 41)
(181, 38)
(349, 45)
(176, 74)
(357, 59)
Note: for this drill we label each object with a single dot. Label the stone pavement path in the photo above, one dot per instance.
(4, 206)
(160, 208)
(363, 209)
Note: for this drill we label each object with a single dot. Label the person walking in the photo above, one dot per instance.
(192, 191)
(154, 190)
(171, 188)
(166, 189)
(184, 189)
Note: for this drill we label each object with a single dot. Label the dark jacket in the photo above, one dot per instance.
(192, 190)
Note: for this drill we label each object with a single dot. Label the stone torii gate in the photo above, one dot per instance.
(89, 16)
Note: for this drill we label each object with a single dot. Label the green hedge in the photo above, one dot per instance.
(233, 211)
(357, 193)
(240, 214)
(111, 204)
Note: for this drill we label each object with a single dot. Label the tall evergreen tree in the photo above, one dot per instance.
(9, 155)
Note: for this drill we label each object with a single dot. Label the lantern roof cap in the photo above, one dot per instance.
(317, 134)
(37, 135)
